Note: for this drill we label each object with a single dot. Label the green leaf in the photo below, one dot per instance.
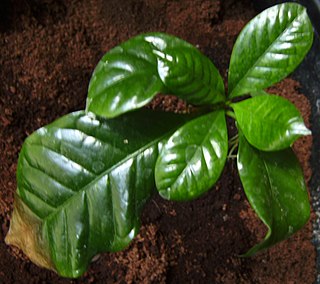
(269, 122)
(82, 183)
(275, 188)
(193, 158)
(131, 74)
(190, 75)
(257, 93)
(269, 48)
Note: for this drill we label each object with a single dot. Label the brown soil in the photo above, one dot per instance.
(48, 50)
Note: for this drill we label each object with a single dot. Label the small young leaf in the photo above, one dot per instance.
(193, 158)
(82, 183)
(275, 188)
(130, 75)
(190, 75)
(269, 122)
(269, 48)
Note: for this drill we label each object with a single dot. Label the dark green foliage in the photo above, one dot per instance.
(84, 179)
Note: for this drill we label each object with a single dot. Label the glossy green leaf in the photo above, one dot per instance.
(275, 188)
(269, 122)
(82, 183)
(190, 75)
(257, 93)
(193, 158)
(131, 74)
(269, 48)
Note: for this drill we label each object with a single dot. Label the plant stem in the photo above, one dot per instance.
(234, 138)
(232, 156)
(233, 145)
(217, 106)
(231, 114)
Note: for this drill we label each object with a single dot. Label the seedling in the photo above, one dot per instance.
(84, 179)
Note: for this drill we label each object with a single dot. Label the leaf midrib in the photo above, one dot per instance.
(272, 195)
(109, 170)
(263, 54)
(193, 156)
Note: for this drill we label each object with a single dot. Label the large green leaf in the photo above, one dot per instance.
(193, 158)
(269, 48)
(269, 122)
(131, 74)
(82, 183)
(274, 185)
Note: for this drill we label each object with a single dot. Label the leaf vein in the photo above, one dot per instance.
(108, 171)
(47, 174)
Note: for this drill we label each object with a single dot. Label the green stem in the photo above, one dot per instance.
(234, 146)
(234, 138)
(232, 156)
(231, 114)
(231, 143)
(218, 106)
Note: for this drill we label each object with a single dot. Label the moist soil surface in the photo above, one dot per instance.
(48, 50)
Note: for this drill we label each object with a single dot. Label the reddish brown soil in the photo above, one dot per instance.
(48, 50)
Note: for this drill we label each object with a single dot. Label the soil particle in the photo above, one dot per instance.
(48, 50)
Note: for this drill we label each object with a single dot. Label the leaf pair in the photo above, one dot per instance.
(194, 156)
(131, 74)
(269, 171)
